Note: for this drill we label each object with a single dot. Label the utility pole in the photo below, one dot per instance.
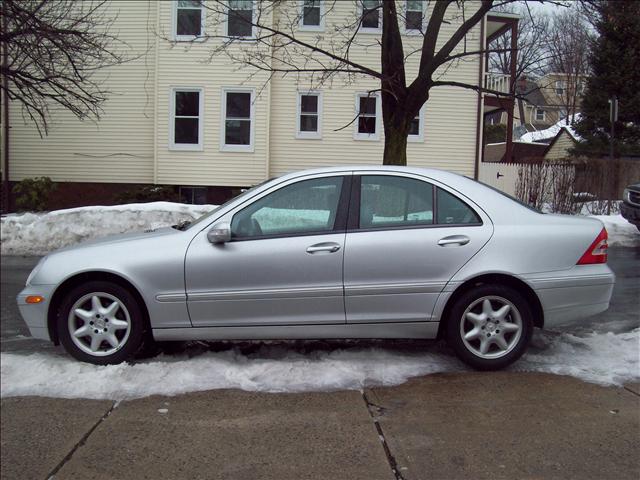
(613, 116)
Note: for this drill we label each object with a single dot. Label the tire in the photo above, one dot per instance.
(108, 332)
(470, 325)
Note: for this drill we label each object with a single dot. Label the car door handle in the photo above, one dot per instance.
(323, 247)
(454, 240)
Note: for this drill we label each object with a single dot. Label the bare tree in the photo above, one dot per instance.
(533, 44)
(52, 51)
(276, 47)
(570, 37)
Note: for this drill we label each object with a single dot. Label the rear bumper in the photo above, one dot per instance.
(581, 292)
(35, 315)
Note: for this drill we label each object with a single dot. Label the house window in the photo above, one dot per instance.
(193, 195)
(312, 15)
(416, 128)
(237, 114)
(371, 16)
(539, 115)
(367, 124)
(560, 87)
(240, 18)
(188, 19)
(309, 115)
(186, 119)
(413, 16)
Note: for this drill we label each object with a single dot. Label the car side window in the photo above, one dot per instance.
(388, 201)
(452, 210)
(303, 207)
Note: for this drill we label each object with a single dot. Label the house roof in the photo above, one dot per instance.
(552, 131)
(532, 93)
(522, 152)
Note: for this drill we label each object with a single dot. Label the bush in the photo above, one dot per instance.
(32, 194)
(148, 193)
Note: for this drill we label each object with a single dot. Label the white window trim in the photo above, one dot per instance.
(193, 147)
(420, 137)
(535, 114)
(174, 25)
(253, 27)
(364, 29)
(413, 31)
(223, 126)
(309, 135)
(311, 28)
(367, 136)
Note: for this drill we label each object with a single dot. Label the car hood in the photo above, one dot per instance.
(120, 238)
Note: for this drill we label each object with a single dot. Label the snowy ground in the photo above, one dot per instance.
(41, 233)
(605, 358)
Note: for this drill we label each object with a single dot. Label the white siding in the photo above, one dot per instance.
(119, 148)
(131, 141)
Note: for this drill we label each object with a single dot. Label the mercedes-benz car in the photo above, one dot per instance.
(343, 252)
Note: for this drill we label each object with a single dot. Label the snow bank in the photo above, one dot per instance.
(604, 358)
(621, 232)
(41, 233)
(552, 131)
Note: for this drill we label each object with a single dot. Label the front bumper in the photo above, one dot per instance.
(578, 293)
(631, 213)
(36, 315)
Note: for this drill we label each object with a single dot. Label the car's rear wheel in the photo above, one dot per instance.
(490, 326)
(101, 323)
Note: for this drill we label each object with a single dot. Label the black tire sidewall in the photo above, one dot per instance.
(454, 338)
(136, 335)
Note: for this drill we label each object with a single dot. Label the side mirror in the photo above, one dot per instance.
(219, 233)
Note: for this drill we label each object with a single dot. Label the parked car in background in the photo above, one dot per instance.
(630, 207)
(343, 252)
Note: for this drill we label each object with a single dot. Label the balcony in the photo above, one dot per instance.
(497, 81)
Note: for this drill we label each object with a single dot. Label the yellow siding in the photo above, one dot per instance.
(132, 138)
(119, 148)
(560, 149)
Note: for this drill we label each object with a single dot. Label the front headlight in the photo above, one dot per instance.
(35, 271)
(626, 195)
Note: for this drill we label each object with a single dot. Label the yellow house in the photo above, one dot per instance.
(177, 116)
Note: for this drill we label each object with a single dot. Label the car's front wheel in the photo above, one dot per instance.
(490, 326)
(101, 323)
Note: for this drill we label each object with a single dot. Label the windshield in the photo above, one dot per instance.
(204, 217)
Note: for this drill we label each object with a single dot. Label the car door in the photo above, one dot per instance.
(406, 238)
(283, 265)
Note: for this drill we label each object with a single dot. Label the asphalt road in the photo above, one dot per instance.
(622, 315)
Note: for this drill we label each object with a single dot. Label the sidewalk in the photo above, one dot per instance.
(473, 425)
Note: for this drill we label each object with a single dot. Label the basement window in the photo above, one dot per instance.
(193, 195)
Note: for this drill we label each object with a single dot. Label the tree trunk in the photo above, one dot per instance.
(395, 146)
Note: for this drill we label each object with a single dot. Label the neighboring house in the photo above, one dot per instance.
(209, 128)
(560, 145)
(523, 152)
(543, 103)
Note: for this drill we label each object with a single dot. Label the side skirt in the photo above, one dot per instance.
(424, 330)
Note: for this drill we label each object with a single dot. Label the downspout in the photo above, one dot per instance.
(480, 116)
(5, 119)
(155, 94)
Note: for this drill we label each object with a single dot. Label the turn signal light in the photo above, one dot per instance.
(34, 299)
(597, 251)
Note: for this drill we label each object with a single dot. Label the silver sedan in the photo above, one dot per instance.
(360, 252)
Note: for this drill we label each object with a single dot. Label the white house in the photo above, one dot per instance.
(176, 118)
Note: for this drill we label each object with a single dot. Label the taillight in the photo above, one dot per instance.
(597, 251)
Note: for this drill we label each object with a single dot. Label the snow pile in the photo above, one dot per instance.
(552, 131)
(621, 232)
(40, 233)
(603, 358)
